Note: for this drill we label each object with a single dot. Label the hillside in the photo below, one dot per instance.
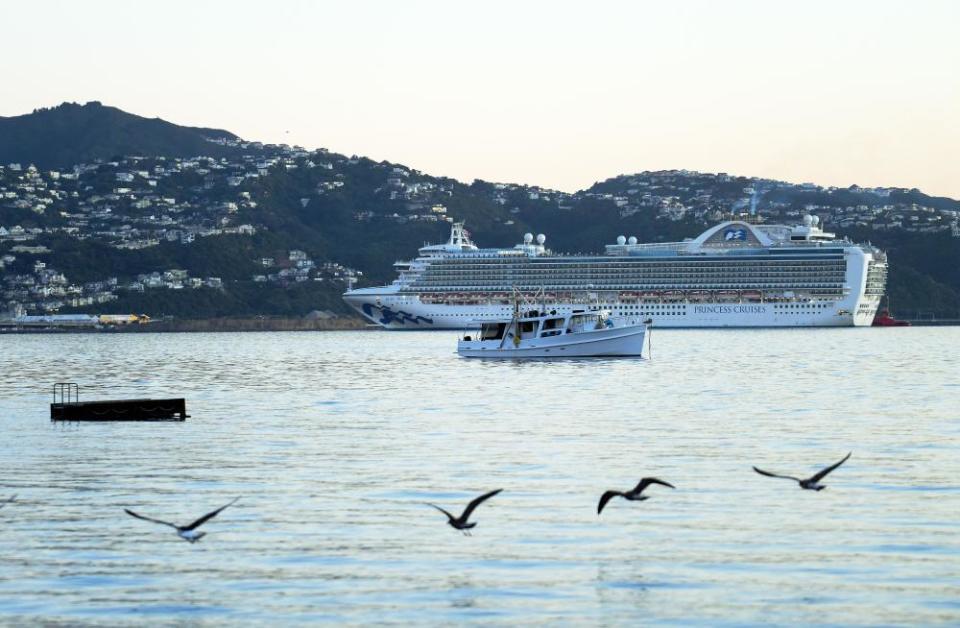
(281, 230)
(70, 133)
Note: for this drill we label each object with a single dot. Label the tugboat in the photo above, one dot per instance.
(884, 319)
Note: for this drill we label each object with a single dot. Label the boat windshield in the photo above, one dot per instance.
(585, 322)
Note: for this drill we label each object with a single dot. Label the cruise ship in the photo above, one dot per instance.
(735, 274)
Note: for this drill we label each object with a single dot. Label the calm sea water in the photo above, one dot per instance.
(334, 441)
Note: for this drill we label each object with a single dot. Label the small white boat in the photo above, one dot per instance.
(536, 334)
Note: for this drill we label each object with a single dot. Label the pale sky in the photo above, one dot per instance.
(558, 94)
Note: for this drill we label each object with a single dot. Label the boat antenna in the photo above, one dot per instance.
(649, 324)
(516, 322)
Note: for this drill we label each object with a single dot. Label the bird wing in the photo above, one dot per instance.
(7, 501)
(774, 475)
(166, 523)
(207, 517)
(473, 505)
(824, 473)
(449, 516)
(605, 498)
(645, 482)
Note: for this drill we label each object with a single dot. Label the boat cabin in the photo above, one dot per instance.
(536, 325)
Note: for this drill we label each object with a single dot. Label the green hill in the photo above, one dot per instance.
(71, 133)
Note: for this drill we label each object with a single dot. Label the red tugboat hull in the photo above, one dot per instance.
(883, 319)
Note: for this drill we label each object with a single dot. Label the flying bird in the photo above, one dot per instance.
(8, 500)
(187, 532)
(812, 483)
(460, 523)
(634, 494)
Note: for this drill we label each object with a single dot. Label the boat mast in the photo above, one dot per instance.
(514, 323)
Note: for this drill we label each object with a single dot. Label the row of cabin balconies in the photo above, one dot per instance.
(475, 286)
(638, 272)
(636, 267)
(613, 272)
(672, 278)
(633, 272)
(543, 267)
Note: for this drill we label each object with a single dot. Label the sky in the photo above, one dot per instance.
(558, 94)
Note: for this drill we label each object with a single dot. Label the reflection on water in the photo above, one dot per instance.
(334, 441)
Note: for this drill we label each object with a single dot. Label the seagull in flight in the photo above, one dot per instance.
(634, 494)
(460, 523)
(187, 532)
(8, 500)
(812, 483)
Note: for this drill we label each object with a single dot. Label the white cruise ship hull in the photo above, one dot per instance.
(615, 342)
(406, 312)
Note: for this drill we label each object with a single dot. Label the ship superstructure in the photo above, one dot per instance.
(735, 274)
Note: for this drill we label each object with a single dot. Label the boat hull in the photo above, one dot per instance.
(404, 311)
(614, 342)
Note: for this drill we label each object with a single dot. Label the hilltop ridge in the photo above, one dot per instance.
(71, 133)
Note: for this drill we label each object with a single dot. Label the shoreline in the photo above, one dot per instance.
(266, 324)
(255, 324)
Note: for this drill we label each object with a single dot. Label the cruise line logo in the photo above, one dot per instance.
(735, 234)
(388, 316)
